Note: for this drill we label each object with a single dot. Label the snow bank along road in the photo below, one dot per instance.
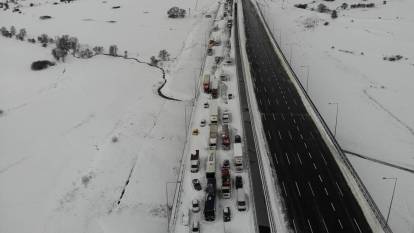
(316, 195)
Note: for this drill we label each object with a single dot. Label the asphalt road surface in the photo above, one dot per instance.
(262, 217)
(316, 196)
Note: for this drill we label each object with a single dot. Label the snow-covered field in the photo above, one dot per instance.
(60, 168)
(345, 63)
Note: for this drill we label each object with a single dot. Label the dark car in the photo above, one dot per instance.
(226, 163)
(237, 139)
(239, 182)
(196, 184)
(226, 214)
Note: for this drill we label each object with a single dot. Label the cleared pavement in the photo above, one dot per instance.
(316, 196)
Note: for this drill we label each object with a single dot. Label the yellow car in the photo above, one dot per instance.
(195, 132)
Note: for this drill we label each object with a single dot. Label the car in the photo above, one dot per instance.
(226, 214)
(226, 163)
(237, 139)
(228, 61)
(208, 16)
(203, 123)
(206, 105)
(210, 52)
(218, 59)
(195, 206)
(230, 96)
(195, 227)
(195, 132)
(241, 200)
(196, 184)
(239, 182)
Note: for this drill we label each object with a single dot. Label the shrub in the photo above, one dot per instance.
(114, 139)
(32, 40)
(1, 112)
(40, 65)
(301, 6)
(334, 14)
(44, 39)
(175, 12)
(98, 49)
(322, 8)
(13, 30)
(43, 17)
(5, 32)
(153, 61)
(59, 53)
(86, 53)
(164, 55)
(22, 34)
(63, 43)
(344, 5)
(113, 50)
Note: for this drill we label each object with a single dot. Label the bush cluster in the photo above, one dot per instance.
(363, 5)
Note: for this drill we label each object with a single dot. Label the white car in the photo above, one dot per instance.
(203, 123)
(196, 206)
(195, 227)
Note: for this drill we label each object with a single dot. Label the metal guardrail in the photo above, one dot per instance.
(343, 157)
(246, 73)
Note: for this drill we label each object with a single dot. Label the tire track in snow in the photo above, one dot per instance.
(5, 169)
(392, 115)
(134, 162)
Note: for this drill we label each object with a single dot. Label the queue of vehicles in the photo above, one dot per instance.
(219, 138)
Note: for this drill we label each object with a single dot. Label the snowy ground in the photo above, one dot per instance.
(345, 64)
(60, 171)
(240, 221)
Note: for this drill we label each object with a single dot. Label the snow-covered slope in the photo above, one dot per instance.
(345, 62)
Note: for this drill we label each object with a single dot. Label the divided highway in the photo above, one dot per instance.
(316, 196)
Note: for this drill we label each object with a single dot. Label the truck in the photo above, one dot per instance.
(225, 137)
(210, 207)
(195, 161)
(214, 88)
(206, 83)
(213, 113)
(225, 117)
(238, 157)
(225, 183)
(212, 141)
(211, 165)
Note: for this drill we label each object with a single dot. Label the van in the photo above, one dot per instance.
(241, 200)
(225, 117)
